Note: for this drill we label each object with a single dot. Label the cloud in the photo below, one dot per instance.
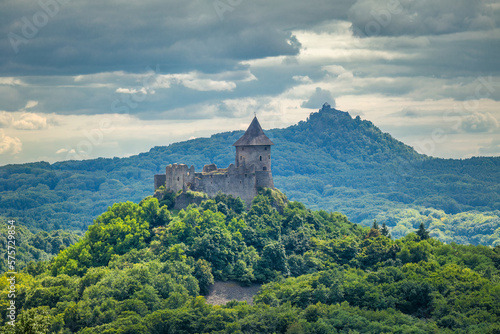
(302, 79)
(479, 122)
(30, 121)
(31, 104)
(10, 81)
(9, 145)
(181, 36)
(66, 150)
(179, 61)
(419, 17)
(199, 81)
(132, 90)
(408, 112)
(318, 98)
(204, 85)
(5, 119)
(493, 148)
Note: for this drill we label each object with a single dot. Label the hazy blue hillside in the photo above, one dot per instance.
(331, 161)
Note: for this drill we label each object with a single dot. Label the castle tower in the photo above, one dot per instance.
(243, 179)
(254, 148)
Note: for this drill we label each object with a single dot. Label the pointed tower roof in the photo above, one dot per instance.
(253, 136)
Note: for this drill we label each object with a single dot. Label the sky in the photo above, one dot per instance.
(86, 79)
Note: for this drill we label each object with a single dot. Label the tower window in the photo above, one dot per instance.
(245, 175)
(265, 148)
(264, 168)
(177, 178)
(269, 156)
(261, 158)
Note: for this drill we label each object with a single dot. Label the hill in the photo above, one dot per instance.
(330, 161)
(140, 268)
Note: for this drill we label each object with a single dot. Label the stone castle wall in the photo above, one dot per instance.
(160, 180)
(264, 179)
(239, 182)
(251, 170)
(234, 182)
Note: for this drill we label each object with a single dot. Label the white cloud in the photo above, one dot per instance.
(30, 121)
(66, 150)
(5, 119)
(302, 79)
(205, 85)
(10, 81)
(132, 91)
(197, 81)
(61, 150)
(31, 104)
(492, 148)
(9, 145)
(216, 82)
(479, 122)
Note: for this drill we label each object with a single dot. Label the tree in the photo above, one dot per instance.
(163, 217)
(422, 232)
(385, 231)
(374, 231)
(33, 321)
(274, 257)
(150, 207)
(203, 273)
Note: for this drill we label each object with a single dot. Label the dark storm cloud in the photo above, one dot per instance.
(90, 37)
(420, 17)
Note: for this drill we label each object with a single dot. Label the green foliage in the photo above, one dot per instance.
(321, 274)
(33, 321)
(122, 228)
(32, 248)
(422, 233)
(330, 162)
(467, 227)
(203, 273)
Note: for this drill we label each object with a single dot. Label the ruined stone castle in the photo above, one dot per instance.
(251, 170)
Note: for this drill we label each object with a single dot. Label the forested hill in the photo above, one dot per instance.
(331, 161)
(141, 268)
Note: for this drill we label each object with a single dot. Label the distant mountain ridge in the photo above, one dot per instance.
(330, 161)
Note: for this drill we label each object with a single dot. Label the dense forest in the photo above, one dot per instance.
(41, 246)
(143, 268)
(331, 162)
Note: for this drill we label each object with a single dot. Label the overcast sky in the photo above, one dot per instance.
(83, 79)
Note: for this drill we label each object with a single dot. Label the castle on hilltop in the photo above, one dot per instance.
(251, 170)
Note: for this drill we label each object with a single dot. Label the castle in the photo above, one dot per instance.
(251, 170)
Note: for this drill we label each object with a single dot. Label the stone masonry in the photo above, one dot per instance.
(251, 170)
